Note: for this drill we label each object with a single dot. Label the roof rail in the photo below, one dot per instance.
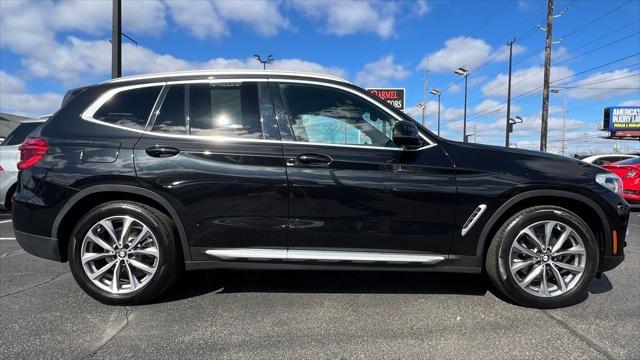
(246, 72)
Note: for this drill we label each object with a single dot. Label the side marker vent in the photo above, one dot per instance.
(475, 215)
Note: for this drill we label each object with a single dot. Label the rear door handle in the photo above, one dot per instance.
(315, 159)
(160, 151)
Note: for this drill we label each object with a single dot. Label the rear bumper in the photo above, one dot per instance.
(41, 246)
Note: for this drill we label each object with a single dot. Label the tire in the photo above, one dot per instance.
(579, 250)
(147, 268)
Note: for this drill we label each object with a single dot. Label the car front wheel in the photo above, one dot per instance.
(123, 252)
(543, 256)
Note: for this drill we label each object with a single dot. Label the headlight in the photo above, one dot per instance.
(611, 182)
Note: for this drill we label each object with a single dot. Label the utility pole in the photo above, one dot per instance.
(547, 75)
(424, 101)
(475, 134)
(564, 126)
(116, 40)
(506, 140)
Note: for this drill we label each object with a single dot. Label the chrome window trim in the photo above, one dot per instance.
(324, 255)
(90, 111)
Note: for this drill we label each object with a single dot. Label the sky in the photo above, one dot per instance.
(48, 47)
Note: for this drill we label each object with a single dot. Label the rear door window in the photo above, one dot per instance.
(224, 110)
(129, 108)
(171, 118)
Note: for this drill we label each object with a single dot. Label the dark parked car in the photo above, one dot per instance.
(135, 179)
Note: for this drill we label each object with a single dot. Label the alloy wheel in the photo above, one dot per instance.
(547, 258)
(119, 254)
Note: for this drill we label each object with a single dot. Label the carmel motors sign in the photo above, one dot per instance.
(393, 96)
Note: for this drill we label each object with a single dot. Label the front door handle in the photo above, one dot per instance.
(160, 151)
(315, 159)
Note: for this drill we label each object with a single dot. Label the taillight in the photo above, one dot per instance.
(32, 150)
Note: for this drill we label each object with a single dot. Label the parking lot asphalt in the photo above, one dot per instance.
(310, 314)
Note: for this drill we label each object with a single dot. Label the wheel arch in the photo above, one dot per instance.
(579, 204)
(9, 195)
(89, 197)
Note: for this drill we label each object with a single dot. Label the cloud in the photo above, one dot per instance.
(381, 73)
(465, 51)
(345, 17)
(77, 62)
(15, 99)
(523, 81)
(606, 85)
(630, 103)
(209, 18)
(494, 108)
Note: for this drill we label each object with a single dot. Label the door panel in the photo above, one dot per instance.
(351, 188)
(229, 189)
(378, 200)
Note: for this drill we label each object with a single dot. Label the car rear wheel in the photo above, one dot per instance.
(544, 256)
(123, 252)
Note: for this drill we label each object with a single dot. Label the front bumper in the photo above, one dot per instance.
(41, 246)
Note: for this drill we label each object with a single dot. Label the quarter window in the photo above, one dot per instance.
(171, 116)
(129, 108)
(326, 115)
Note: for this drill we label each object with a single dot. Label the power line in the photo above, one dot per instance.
(594, 20)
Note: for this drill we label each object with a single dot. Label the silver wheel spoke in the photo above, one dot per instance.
(529, 232)
(572, 268)
(142, 235)
(559, 279)
(102, 270)
(517, 266)
(576, 250)
(151, 251)
(544, 285)
(108, 226)
(565, 235)
(126, 229)
(94, 256)
(523, 250)
(141, 266)
(96, 240)
(532, 275)
(115, 280)
(548, 231)
(133, 282)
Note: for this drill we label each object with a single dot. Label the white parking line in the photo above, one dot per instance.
(7, 239)
(5, 221)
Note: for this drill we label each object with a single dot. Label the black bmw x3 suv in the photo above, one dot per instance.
(135, 179)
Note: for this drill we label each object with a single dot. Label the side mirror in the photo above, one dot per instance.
(405, 134)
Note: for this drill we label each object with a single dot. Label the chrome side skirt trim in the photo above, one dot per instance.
(473, 218)
(326, 256)
(253, 254)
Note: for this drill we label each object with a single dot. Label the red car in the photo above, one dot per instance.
(629, 172)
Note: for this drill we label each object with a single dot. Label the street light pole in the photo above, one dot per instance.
(437, 92)
(264, 63)
(462, 71)
(424, 101)
(506, 140)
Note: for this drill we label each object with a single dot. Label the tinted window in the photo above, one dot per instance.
(331, 116)
(20, 133)
(171, 117)
(130, 108)
(224, 110)
(632, 161)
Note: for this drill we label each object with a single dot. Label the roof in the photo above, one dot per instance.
(243, 72)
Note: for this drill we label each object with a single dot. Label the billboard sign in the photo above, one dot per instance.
(621, 118)
(393, 96)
